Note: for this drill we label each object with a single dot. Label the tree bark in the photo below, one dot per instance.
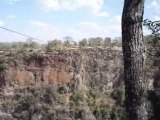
(134, 53)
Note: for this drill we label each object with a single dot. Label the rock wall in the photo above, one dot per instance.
(84, 84)
(90, 67)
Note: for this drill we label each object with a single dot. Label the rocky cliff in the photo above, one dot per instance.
(96, 75)
(90, 67)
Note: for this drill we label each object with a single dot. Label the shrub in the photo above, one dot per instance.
(107, 42)
(119, 95)
(37, 102)
(48, 112)
(55, 44)
(101, 112)
(62, 89)
(34, 45)
(83, 43)
(94, 42)
(2, 67)
(7, 106)
(118, 113)
(78, 112)
(69, 42)
(77, 97)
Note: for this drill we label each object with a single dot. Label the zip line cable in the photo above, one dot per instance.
(20, 33)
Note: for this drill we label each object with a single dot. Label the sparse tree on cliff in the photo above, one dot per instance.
(133, 52)
(34, 45)
(83, 42)
(117, 43)
(69, 42)
(54, 44)
(107, 42)
(94, 42)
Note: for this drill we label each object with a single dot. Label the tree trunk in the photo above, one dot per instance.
(133, 52)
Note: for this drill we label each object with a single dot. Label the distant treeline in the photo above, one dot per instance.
(68, 42)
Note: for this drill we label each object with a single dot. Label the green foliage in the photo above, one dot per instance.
(5, 46)
(37, 101)
(77, 97)
(154, 26)
(101, 106)
(153, 44)
(7, 106)
(118, 114)
(78, 112)
(48, 112)
(44, 103)
(119, 95)
(95, 42)
(25, 46)
(83, 43)
(117, 43)
(101, 112)
(62, 89)
(98, 103)
(19, 46)
(69, 42)
(26, 102)
(55, 44)
(2, 67)
(107, 42)
(154, 56)
(34, 45)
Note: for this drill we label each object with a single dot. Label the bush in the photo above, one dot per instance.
(78, 112)
(107, 42)
(7, 106)
(101, 112)
(48, 112)
(34, 45)
(69, 42)
(119, 95)
(55, 44)
(118, 114)
(62, 89)
(95, 42)
(37, 102)
(77, 97)
(5, 46)
(117, 43)
(2, 67)
(83, 43)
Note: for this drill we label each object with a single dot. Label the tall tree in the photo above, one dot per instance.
(134, 54)
(154, 55)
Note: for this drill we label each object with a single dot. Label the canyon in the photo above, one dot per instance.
(85, 84)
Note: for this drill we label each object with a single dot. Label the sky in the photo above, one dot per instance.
(50, 19)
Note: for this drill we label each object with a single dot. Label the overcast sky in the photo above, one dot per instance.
(49, 19)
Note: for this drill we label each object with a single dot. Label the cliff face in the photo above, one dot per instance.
(92, 77)
(90, 67)
(85, 84)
